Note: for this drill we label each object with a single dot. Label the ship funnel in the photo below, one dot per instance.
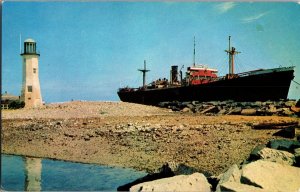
(174, 74)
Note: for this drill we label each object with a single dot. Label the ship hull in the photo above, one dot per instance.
(271, 85)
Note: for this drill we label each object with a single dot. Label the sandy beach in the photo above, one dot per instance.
(133, 135)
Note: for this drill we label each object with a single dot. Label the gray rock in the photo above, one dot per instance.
(271, 176)
(287, 112)
(284, 144)
(254, 153)
(248, 112)
(222, 111)
(258, 103)
(233, 174)
(290, 103)
(239, 187)
(288, 132)
(194, 182)
(297, 157)
(182, 169)
(186, 110)
(236, 110)
(297, 152)
(191, 106)
(277, 156)
(272, 109)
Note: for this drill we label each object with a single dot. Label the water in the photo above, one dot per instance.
(20, 173)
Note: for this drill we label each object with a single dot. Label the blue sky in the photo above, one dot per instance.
(90, 49)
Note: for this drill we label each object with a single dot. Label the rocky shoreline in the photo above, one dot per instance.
(280, 108)
(271, 167)
(135, 136)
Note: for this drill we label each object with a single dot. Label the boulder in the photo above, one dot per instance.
(182, 169)
(288, 132)
(271, 176)
(239, 187)
(295, 109)
(290, 103)
(248, 112)
(233, 174)
(222, 111)
(287, 112)
(186, 110)
(236, 111)
(276, 156)
(164, 172)
(284, 144)
(271, 109)
(195, 182)
(254, 153)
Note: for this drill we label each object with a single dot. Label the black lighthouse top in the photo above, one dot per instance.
(30, 47)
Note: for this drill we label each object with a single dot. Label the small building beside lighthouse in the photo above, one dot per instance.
(31, 91)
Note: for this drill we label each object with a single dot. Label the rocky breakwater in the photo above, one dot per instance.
(280, 108)
(274, 166)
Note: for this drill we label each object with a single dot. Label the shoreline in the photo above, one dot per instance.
(133, 136)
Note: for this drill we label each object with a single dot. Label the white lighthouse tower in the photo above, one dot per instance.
(31, 91)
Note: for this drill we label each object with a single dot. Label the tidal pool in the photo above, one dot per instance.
(20, 173)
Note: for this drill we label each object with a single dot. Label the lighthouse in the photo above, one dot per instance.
(31, 91)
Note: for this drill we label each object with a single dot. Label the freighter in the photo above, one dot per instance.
(202, 83)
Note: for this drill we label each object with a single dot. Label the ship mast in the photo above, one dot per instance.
(194, 53)
(144, 71)
(231, 51)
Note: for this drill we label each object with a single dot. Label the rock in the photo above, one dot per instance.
(195, 182)
(276, 156)
(280, 125)
(258, 103)
(182, 169)
(209, 109)
(186, 109)
(295, 109)
(236, 111)
(271, 109)
(286, 133)
(271, 176)
(191, 106)
(254, 153)
(215, 103)
(233, 174)
(239, 187)
(290, 103)
(248, 112)
(164, 172)
(222, 111)
(298, 103)
(284, 144)
(287, 112)
(86, 138)
(163, 104)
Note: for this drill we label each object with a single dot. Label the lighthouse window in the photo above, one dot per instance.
(29, 88)
(24, 60)
(34, 70)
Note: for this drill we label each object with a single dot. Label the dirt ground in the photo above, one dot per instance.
(132, 135)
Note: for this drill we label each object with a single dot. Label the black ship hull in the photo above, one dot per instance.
(271, 84)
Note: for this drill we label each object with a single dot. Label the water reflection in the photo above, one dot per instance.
(35, 174)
